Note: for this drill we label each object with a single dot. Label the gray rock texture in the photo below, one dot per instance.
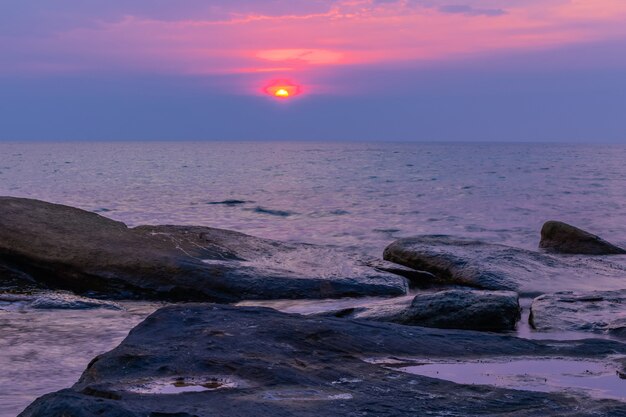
(491, 266)
(561, 237)
(601, 312)
(249, 361)
(60, 247)
(451, 309)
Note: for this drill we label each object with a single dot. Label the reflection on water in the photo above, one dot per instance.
(44, 350)
(183, 385)
(307, 307)
(597, 379)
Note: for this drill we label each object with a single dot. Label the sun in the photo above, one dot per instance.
(281, 92)
(282, 89)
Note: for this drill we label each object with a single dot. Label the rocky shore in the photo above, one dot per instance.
(51, 246)
(248, 361)
(438, 298)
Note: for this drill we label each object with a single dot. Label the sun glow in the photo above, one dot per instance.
(282, 89)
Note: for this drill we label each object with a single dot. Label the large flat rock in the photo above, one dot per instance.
(499, 267)
(250, 361)
(59, 247)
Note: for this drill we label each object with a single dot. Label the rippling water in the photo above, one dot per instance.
(45, 350)
(353, 194)
(361, 194)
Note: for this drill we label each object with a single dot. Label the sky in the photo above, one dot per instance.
(395, 70)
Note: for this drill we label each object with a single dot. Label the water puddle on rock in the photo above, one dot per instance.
(597, 379)
(182, 385)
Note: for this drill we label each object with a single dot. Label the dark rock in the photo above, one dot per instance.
(259, 362)
(451, 309)
(594, 311)
(498, 267)
(271, 212)
(66, 248)
(12, 279)
(228, 203)
(561, 237)
(416, 278)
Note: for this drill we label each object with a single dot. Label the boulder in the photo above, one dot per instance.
(559, 237)
(61, 247)
(216, 360)
(601, 312)
(492, 266)
(453, 309)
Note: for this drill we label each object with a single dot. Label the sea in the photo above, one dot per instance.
(352, 194)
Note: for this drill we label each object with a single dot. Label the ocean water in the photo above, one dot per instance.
(353, 194)
(361, 195)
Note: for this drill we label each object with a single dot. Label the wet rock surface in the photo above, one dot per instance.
(602, 312)
(250, 361)
(16, 280)
(416, 278)
(59, 247)
(561, 237)
(499, 267)
(451, 309)
(47, 300)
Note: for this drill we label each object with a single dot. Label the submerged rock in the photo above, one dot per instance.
(498, 267)
(47, 300)
(61, 247)
(451, 309)
(207, 360)
(561, 237)
(593, 311)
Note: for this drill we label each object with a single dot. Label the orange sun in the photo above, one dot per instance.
(282, 89)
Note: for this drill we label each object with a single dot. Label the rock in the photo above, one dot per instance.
(210, 360)
(61, 247)
(498, 267)
(11, 280)
(43, 300)
(561, 237)
(416, 278)
(451, 309)
(594, 311)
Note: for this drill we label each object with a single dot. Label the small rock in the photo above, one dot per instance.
(561, 237)
(450, 309)
(593, 311)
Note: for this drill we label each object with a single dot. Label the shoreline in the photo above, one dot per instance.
(435, 286)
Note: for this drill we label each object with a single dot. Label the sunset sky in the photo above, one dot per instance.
(433, 70)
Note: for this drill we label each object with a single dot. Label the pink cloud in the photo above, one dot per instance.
(357, 32)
